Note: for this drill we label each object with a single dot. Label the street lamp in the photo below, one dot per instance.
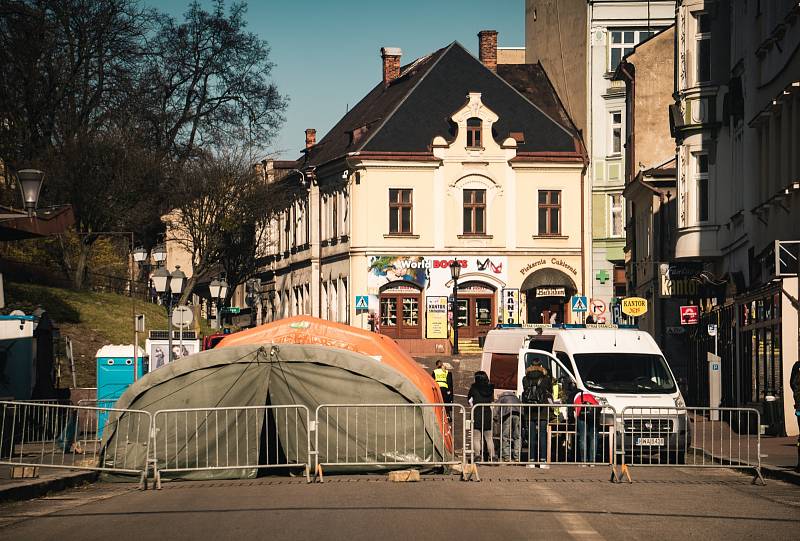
(159, 254)
(455, 272)
(30, 185)
(169, 285)
(139, 254)
(219, 292)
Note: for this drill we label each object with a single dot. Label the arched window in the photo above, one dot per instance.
(473, 132)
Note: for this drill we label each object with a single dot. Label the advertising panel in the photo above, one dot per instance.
(510, 302)
(436, 317)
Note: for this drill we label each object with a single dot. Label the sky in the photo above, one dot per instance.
(327, 52)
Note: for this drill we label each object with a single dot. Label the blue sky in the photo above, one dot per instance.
(327, 52)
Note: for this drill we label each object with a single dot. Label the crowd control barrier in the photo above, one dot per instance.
(542, 435)
(61, 436)
(231, 438)
(690, 437)
(352, 437)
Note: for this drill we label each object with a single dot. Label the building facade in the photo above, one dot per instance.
(580, 43)
(448, 158)
(737, 128)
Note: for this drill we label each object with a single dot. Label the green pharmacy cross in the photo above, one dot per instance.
(602, 276)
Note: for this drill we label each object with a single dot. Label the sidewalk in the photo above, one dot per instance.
(779, 458)
(49, 480)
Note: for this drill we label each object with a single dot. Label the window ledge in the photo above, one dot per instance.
(472, 236)
(400, 236)
(556, 237)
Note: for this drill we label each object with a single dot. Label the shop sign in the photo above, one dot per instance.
(674, 329)
(550, 292)
(511, 306)
(634, 306)
(436, 317)
(690, 315)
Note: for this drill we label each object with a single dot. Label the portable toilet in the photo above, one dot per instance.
(17, 356)
(114, 376)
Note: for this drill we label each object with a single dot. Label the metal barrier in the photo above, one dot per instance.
(63, 436)
(690, 437)
(538, 435)
(386, 436)
(231, 438)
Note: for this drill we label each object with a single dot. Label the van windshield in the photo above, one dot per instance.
(625, 372)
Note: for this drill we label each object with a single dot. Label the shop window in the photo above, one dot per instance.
(549, 212)
(400, 211)
(474, 212)
(474, 132)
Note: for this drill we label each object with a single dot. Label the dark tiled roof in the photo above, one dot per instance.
(416, 107)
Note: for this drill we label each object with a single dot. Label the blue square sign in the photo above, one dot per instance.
(579, 303)
(362, 303)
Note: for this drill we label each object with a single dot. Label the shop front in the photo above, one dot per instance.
(547, 292)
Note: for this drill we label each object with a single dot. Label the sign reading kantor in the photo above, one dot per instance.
(634, 306)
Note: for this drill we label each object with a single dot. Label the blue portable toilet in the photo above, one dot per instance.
(114, 376)
(17, 356)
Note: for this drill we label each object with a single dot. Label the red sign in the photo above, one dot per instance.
(598, 307)
(445, 263)
(690, 315)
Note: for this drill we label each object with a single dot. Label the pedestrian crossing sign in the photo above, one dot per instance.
(579, 303)
(362, 302)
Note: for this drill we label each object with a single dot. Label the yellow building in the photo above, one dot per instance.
(448, 157)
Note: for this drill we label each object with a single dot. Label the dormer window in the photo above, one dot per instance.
(474, 132)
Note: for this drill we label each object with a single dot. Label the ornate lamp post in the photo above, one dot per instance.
(455, 272)
(30, 185)
(169, 286)
(219, 292)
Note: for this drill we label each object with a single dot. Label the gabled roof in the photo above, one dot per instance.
(406, 115)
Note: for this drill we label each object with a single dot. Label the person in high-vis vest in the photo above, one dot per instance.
(444, 379)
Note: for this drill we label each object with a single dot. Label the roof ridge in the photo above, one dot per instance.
(407, 94)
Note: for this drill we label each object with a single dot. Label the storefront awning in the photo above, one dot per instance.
(549, 278)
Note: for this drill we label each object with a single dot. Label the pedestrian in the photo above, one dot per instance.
(510, 427)
(482, 392)
(444, 379)
(586, 426)
(794, 384)
(590, 319)
(537, 389)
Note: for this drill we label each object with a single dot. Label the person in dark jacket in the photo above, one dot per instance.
(537, 388)
(482, 392)
(510, 426)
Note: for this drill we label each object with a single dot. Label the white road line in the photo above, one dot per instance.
(574, 524)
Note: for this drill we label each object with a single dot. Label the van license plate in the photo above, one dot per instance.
(649, 441)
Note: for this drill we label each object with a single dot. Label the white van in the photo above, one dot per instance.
(621, 367)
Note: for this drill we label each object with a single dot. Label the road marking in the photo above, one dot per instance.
(573, 523)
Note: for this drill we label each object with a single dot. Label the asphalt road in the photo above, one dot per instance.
(510, 503)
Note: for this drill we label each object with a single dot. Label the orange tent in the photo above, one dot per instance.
(311, 330)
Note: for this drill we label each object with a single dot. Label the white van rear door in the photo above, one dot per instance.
(555, 368)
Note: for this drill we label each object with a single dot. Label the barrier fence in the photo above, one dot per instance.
(231, 438)
(64, 436)
(382, 436)
(691, 437)
(542, 435)
(375, 437)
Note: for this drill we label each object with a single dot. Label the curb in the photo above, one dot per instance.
(40, 487)
(780, 474)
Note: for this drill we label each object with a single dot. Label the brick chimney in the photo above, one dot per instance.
(311, 137)
(391, 63)
(487, 48)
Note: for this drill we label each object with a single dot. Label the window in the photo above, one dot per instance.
(474, 132)
(701, 171)
(616, 132)
(400, 205)
(616, 226)
(623, 42)
(703, 51)
(474, 212)
(549, 212)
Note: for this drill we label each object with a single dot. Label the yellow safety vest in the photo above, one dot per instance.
(440, 375)
(556, 396)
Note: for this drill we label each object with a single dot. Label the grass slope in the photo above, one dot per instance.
(91, 320)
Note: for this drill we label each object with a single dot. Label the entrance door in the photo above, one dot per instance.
(400, 312)
(476, 310)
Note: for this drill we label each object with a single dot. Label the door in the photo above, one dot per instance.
(475, 314)
(555, 368)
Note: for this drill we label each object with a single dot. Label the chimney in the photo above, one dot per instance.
(487, 48)
(391, 63)
(311, 137)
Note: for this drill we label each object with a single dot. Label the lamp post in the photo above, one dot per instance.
(455, 272)
(159, 254)
(168, 285)
(219, 291)
(30, 185)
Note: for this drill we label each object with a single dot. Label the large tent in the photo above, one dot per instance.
(282, 374)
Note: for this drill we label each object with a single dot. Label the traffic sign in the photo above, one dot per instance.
(616, 313)
(579, 303)
(182, 316)
(712, 329)
(634, 306)
(690, 315)
(231, 310)
(597, 307)
(362, 302)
